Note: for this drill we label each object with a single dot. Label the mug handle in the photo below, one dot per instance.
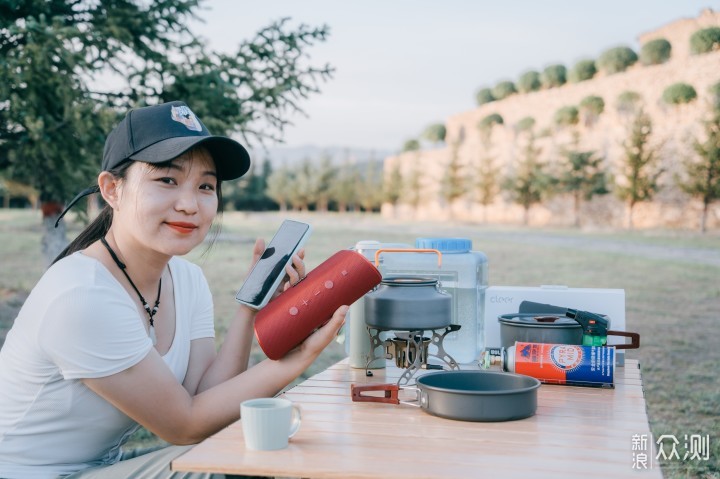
(295, 421)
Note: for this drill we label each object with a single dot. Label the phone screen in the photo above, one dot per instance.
(263, 278)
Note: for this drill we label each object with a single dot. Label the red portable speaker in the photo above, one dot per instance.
(291, 317)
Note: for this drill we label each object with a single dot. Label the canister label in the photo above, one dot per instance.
(568, 364)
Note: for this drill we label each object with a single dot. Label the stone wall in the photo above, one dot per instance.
(673, 131)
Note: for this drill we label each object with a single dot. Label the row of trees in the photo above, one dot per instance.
(611, 61)
(55, 111)
(579, 173)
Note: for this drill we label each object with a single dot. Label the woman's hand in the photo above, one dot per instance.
(295, 271)
(319, 340)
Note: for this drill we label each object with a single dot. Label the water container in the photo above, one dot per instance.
(357, 338)
(464, 274)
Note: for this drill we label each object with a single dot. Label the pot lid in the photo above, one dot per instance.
(409, 281)
(535, 320)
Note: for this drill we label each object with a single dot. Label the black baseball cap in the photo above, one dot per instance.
(159, 133)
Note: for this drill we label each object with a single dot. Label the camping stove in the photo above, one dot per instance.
(412, 349)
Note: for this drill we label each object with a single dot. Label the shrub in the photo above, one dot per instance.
(627, 101)
(490, 121)
(503, 90)
(553, 76)
(529, 81)
(484, 95)
(411, 145)
(678, 94)
(566, 116)
(525, 124)
(616, 59)
(714, 91)
(583, 70)
(593, 104)
(655, 52)
(705, 40)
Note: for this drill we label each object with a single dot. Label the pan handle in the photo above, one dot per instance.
(391, 393)
(634, 339)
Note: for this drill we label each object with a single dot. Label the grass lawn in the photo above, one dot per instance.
(672, 299)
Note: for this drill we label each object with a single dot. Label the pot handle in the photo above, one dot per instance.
(391, 393)
(406, 250)
(634, 339)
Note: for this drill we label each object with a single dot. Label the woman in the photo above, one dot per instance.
(119, 330)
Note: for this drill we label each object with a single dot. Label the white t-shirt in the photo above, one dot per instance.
(79, 322)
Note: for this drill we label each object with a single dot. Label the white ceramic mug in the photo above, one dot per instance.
(268, 423)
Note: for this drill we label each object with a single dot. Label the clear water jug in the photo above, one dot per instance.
(357, 338)
(464, 275)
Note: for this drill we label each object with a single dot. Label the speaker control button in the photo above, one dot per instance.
(293, 311)
(329, 284)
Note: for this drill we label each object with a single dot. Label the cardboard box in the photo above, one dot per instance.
(506, 300)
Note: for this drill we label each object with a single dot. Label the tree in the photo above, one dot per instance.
(411, 145)
(344, 190)
(435, 133)
(530, 183)
(486, 182)
(583, 177)
(679, 93)
(278, 186)
(484, 95)
(616, 60)
(639, 171)
(393, 185)
(554, 76)
(370, 189)
(655, 52)
(529, 82)
(591, 107)
(452, 184)
(326, 174)
(703, 172)
(503, 90)
(583, 70)
(55, 115)
(415, 189)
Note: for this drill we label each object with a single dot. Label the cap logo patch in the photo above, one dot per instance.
(184, 115)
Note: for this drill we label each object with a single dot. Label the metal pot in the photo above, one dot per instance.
(539, 328)
(464, 395)
(406, 303)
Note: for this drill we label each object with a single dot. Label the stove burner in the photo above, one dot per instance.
(412, 349)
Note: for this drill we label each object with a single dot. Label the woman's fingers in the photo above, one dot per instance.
(258, 250)
(326, 333)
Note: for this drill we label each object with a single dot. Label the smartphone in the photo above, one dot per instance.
(267, 274)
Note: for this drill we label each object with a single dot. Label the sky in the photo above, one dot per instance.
(402, 65)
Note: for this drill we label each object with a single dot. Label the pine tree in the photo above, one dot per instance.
(582, 176)
(530, 182)
(640, 170)
(703, 171)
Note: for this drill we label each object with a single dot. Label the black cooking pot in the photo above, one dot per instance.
(408, 303)
(539, 328)
(464, 395)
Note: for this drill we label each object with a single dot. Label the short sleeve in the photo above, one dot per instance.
(93, 331)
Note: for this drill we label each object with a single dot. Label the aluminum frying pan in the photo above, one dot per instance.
(485, 396)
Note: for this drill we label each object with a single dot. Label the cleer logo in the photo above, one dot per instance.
(566, 357)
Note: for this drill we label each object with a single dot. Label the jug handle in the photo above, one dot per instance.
(406, 250)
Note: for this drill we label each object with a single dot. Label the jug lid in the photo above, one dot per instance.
(445, 245)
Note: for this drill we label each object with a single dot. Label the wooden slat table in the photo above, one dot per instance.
(577, 432)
